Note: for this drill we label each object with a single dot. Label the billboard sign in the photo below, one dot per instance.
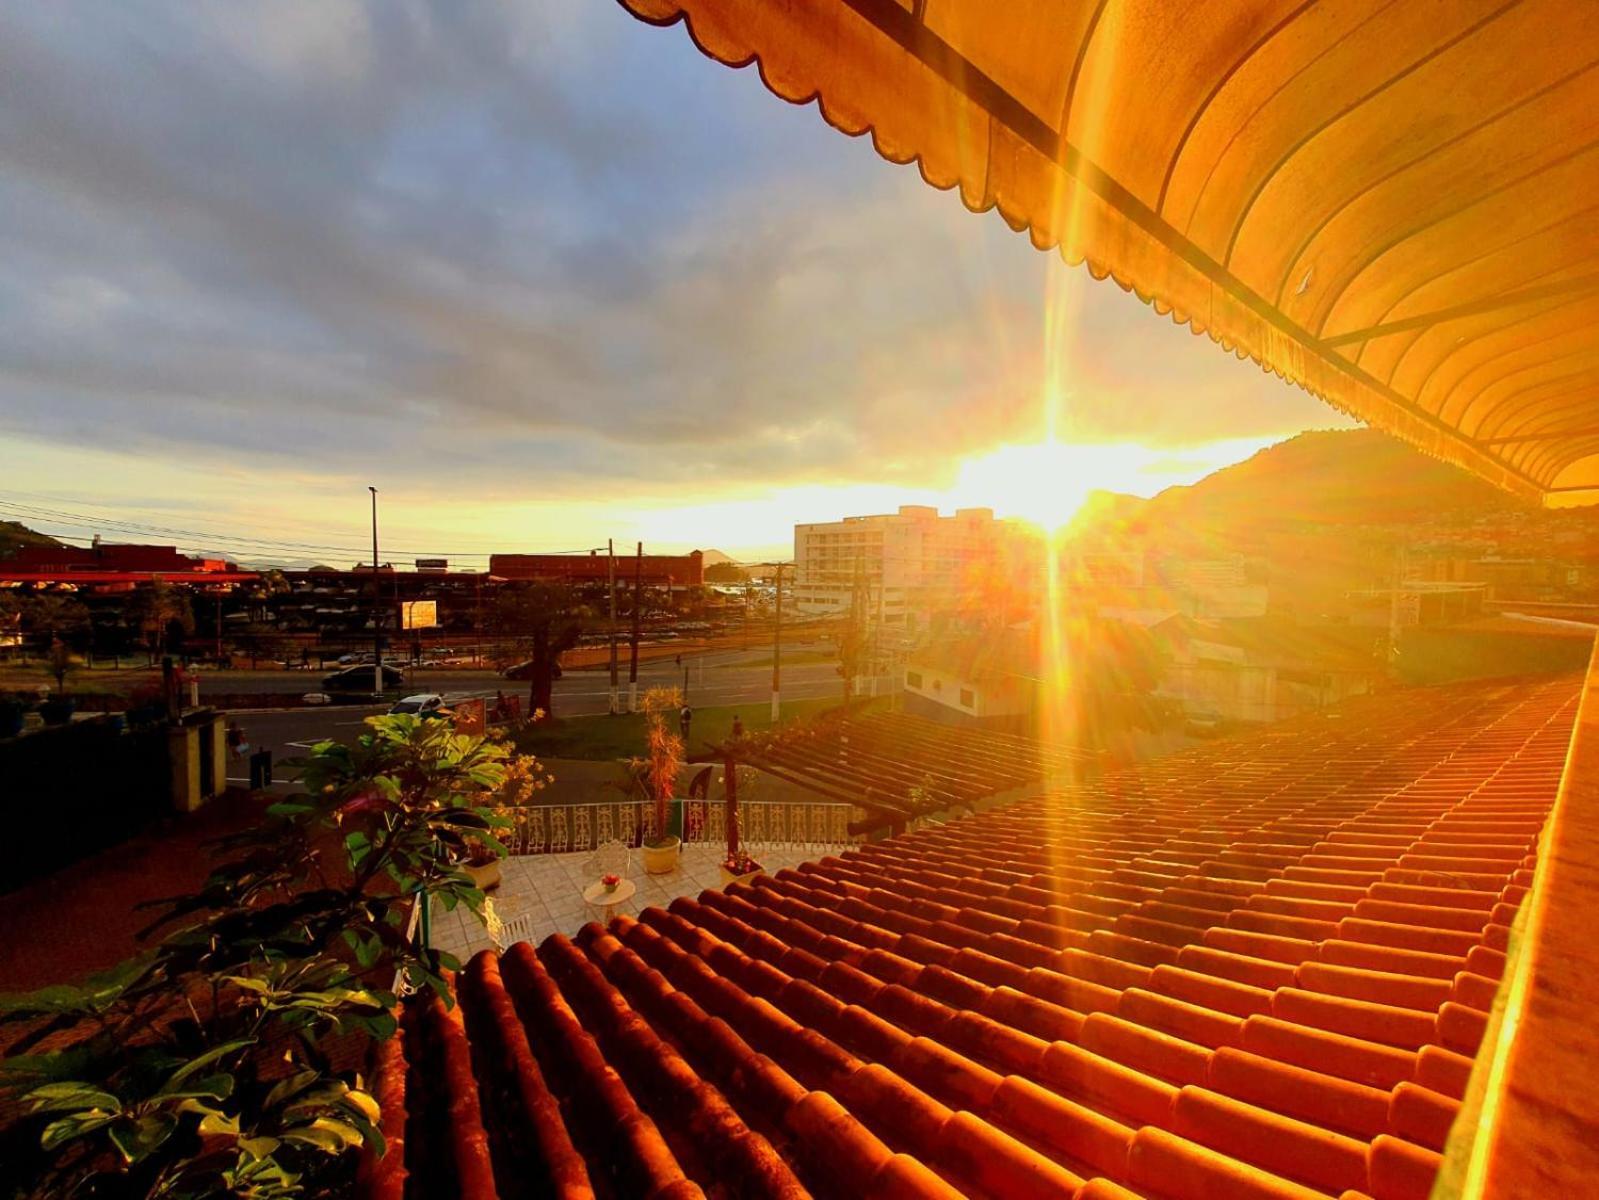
(432, 564)
(419, 614)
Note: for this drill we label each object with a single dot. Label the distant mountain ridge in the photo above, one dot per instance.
(14, 535)
(1325, 477)
(1333, 477)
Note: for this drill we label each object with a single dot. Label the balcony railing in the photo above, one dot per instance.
(564, 828)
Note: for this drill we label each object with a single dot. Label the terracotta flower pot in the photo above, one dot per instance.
(660, 856)
(485, 875)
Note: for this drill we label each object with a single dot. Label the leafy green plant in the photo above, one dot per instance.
(201, 1068)
(663, 756)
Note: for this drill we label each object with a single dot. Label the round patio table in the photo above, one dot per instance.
(596, 897)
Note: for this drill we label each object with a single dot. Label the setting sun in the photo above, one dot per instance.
(1047, 482)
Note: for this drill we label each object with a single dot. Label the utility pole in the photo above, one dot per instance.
(610, 551)
(849, 660)
(399, 618)
(377, 603)
(638, 604)
(777, 649)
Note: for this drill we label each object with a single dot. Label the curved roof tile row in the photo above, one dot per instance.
(1260, 970)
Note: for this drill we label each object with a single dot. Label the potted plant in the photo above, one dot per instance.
(57, 710)
(663, 758)
(610, 883)
(737, 863)
(483, 866)
(740, 864)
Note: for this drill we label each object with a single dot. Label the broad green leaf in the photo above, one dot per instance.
(67, 1097)
(201, 1062)
(62, 1065)
(288, 809)
(58, 1133)
(137, 1140)
(219, 1123)
(325, 1134)
(293, 1085)
(363, 1103)
(207, 1087)
(259, 1147)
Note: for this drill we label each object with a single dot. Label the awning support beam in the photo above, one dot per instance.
(1566, 287)
(1553, 435)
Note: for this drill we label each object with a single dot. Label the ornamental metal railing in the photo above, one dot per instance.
(565, 828)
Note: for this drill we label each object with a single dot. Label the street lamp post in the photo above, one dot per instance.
(377, 604)
(777, 649)
(610, 567)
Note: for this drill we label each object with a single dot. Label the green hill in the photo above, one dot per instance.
(1330, 477)
(14, 535)
(1345, 477)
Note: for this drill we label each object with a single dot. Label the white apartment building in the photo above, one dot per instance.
(910, 563)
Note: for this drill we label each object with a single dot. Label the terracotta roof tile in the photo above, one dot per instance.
(1260, 969)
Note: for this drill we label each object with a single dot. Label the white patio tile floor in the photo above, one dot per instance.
(550, 888)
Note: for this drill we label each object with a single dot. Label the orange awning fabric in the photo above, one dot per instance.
(1393, 204)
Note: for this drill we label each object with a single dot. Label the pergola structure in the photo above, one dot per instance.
(1393, 205)
(898, 767)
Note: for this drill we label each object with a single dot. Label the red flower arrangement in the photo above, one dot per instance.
(610, 882)
(741, 862)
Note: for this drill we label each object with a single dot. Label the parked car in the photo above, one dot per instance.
(524, 670)
(423, 704)
(1204, 724)
(359, 679)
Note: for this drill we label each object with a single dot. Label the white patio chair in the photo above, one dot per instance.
(508, 933)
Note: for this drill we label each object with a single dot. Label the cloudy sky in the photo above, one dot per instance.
(541, 273)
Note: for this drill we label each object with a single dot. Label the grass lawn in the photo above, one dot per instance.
(606, 737)
(27, 677)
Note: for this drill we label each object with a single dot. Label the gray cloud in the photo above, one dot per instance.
(540, 239)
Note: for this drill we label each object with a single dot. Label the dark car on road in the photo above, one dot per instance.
(524, 670)
(359, 679)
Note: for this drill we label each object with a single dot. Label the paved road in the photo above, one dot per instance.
(472, 682)
(289, 732)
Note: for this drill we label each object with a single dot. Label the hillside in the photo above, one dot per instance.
(14, 535)
(1330, 477)
(1346, 477)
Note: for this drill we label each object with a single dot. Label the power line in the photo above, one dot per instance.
(79, 520)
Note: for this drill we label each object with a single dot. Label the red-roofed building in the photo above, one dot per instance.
(658, 570)
(113, 562)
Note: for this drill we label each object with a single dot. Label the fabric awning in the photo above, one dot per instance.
(1394, 205)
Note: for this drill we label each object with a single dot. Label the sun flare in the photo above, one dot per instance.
(1047, 482)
